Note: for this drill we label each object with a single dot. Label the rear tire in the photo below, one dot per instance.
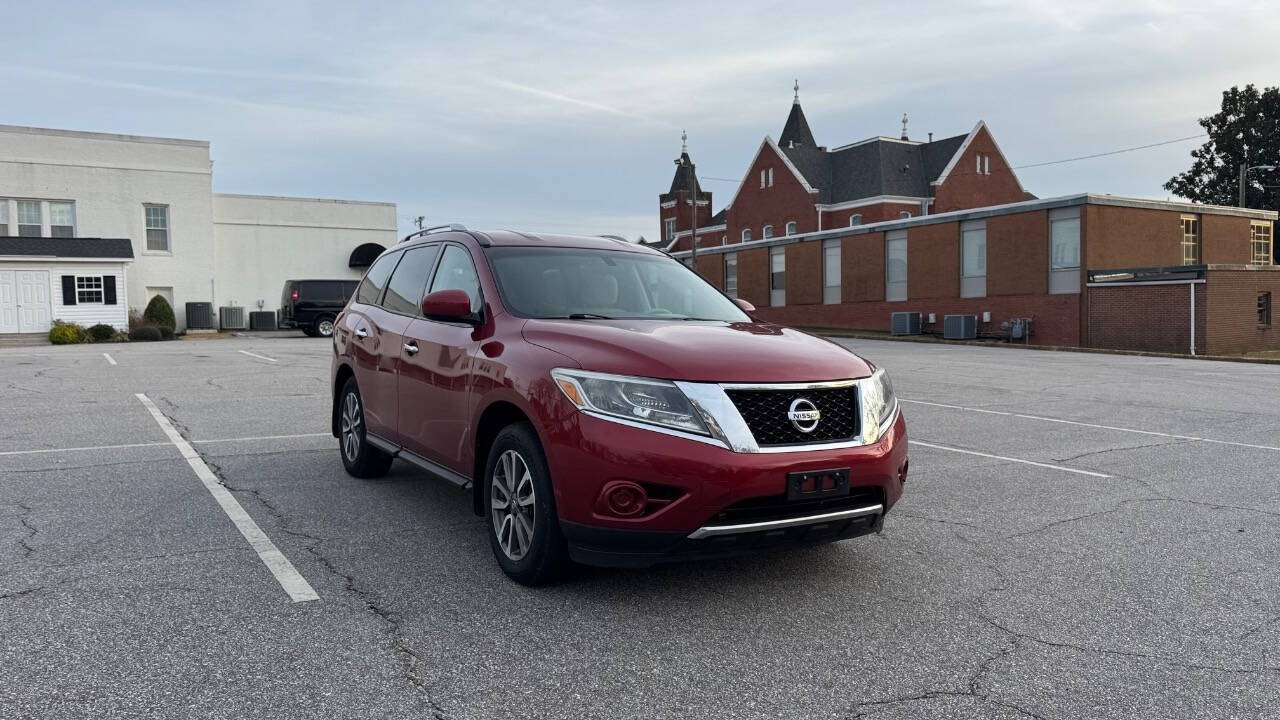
(323, 326)
(360, 459)
(309, 332)
(524, 530)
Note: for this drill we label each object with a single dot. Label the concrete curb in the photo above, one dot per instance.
(929, 339)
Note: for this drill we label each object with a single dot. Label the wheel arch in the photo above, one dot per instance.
(497, 415)
(339, 379)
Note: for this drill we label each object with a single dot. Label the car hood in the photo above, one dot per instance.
(698, 351)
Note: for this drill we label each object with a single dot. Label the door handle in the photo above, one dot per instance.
(411, 347)
(362, 333)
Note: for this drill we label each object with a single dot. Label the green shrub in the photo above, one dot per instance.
(159, 313)
(101, 332)
(65, 333)
(166, 332)
(146, 333)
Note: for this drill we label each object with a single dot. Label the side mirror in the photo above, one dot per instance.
(746, 306)
(449, 306)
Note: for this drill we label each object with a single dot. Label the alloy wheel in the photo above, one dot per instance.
(351, 420)
(512, 502)
(325, 328)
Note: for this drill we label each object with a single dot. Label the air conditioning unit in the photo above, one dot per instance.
(262, 320)
(231, 318)
(199, 316)
(960, 327)
(904, 323)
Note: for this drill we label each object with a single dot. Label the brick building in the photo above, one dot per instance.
(1088, 270)
(797, 186)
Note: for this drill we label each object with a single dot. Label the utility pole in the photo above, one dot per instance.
(693, 199)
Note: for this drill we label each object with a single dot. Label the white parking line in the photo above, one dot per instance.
(109, 358)
(1135, 431)
(260, 357)
(1009, 459)
(290, 579)
(152, 444)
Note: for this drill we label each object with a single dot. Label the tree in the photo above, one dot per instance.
(1248, 124)
(159, 313)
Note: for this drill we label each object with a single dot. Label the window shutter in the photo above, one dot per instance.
(108, 289)
(68, 289)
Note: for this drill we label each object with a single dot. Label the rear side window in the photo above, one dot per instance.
(409, 281)
(375, 280)
(325, 291)
(457, 273)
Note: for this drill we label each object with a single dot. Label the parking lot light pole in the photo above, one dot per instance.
(1244, 172)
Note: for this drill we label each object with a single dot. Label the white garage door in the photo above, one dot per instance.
(24, 301)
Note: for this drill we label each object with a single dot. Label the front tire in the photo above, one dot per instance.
(360, 459)
(524, 531)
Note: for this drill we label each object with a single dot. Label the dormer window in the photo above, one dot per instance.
(767, 232)
(746, 235)
(791, 228)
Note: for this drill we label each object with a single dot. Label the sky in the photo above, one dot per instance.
(566, 116)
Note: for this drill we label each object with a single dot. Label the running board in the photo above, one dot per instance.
(430, 466)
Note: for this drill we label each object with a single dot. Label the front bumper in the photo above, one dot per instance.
(713, 484)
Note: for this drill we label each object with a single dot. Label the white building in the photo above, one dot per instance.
(92, 224)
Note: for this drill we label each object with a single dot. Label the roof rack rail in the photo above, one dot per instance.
(451, 227)
(619, 238)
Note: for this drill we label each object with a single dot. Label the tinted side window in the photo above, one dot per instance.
(457, 273)
(321, 291)
(409, 282)
(370, 289)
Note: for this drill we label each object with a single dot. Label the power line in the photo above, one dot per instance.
(1046, 163)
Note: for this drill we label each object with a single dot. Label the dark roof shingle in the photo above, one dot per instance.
(119, 248)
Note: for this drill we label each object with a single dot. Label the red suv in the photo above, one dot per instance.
(606, 405)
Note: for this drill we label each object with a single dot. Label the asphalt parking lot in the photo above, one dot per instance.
(1082, 536)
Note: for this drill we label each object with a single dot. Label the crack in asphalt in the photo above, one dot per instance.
(410, 660)
(20, 593)
(1091, 453)
(1125, 653)
(24, 517)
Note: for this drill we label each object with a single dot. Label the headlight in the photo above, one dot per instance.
(656, 402)
(878, 404)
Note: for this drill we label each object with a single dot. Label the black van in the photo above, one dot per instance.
(311, 305)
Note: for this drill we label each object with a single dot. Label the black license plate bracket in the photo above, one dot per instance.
(817, 484)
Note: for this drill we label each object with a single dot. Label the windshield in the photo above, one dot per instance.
(613, 284)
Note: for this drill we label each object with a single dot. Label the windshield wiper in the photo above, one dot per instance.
(587, 316)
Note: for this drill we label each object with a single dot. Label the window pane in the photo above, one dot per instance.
(767, 232)
(831, 266)
(409, 281)
(897, 264)
(1065, 244)
(777, 261)
(4, 211)
(61, 213)
(855, 220)
(28, 212)
(457, 273)
(157, 217)
(370, 288)
(975, 253)
(158, 240)
(62, 231)
(731, 273)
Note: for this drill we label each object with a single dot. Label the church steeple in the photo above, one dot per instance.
(796, 131)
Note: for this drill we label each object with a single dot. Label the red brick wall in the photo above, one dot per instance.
(754, 207)
(711, 268)
(1225, 239)
(964, 188)
(804, 273)
(933, 261)
(862, 269)
(1057, 317)
(753, 276)
(879, 212)
(1121, 237)
(1152, 318)
(1232, 313)
(680, 211)
(1017, 254)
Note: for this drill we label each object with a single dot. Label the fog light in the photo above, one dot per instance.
(622, 498)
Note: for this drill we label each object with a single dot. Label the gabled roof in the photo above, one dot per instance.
(98, 248)
(880, 166)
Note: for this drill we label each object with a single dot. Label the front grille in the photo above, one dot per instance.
(777, 507)
(765, 412)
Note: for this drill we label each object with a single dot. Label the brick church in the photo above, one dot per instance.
(796, 186)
